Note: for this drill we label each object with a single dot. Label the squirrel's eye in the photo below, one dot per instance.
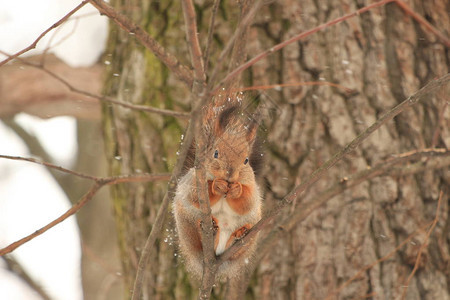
(246, 161)
(216, 154)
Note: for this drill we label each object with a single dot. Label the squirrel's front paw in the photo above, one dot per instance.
(219, 187)
(234, 190)
(241, 232)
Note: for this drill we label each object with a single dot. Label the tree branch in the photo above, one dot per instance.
(50, 165)
(244, 23)
(179, 70)
(164, 112)
(33, 45)
(424, 244)
(302, 35)
(382, 169)
(15, 267)
(193, 42)
(210, 33)
(424, 22)
(99, 183)
(148, 248)
(88, 196)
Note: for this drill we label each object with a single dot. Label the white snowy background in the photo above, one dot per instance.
(29, 197)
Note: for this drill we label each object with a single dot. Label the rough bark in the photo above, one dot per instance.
(138, 142)
(385, 56)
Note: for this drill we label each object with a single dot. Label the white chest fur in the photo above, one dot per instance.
(228, 222)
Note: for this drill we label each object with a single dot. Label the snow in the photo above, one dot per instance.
(29, 196)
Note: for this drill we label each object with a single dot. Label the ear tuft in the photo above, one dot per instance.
(225, 118)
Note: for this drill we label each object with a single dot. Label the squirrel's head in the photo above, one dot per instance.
(230, 150)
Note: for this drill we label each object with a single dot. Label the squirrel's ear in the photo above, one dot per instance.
(224, 119)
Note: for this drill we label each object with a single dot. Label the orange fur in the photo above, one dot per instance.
(237, 235)
(234, 195)
(242, 204)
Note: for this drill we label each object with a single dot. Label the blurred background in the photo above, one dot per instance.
(39, 119)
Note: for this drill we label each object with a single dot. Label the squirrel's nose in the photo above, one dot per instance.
(233, 176)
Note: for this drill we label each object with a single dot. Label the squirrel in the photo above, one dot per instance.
(233, 158)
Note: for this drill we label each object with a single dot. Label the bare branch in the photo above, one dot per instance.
(305, 83)
(102, 180)
(50, 165)
(15, 267)
(193, 42)
(148, 249)
(432, 224)
(76, 207)
(99, 183)
(424, 244)
(33, 45)
(302, 35)
(210, 32)
(381, 169)
(424, 22)
(179, 70)
(245, 23)
(370, 266)
(164, 112)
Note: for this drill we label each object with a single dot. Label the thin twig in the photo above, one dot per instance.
(193, 42)
(212, 22)
(15, 267)
(306, 83)
(76, 207)
(180, 71)
(99, 183)
(50, 165)
(239, 53)
(148, 248)
(302, 35)
(294, 39)
(317, 174)
(50, 40)
(370, 266)
(424, 22)
(422, 247)
(382, 169)
(144, 108)
(245, 23)
(198, 97)
(33, 45)
(438, 159)
(198, 88)
(103, 180)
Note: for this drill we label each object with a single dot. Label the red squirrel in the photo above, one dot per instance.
(232, 158)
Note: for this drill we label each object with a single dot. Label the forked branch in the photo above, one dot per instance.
(34, 44)
(179, 70)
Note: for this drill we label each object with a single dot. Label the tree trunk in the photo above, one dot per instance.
(137, 142)
(384, 55)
